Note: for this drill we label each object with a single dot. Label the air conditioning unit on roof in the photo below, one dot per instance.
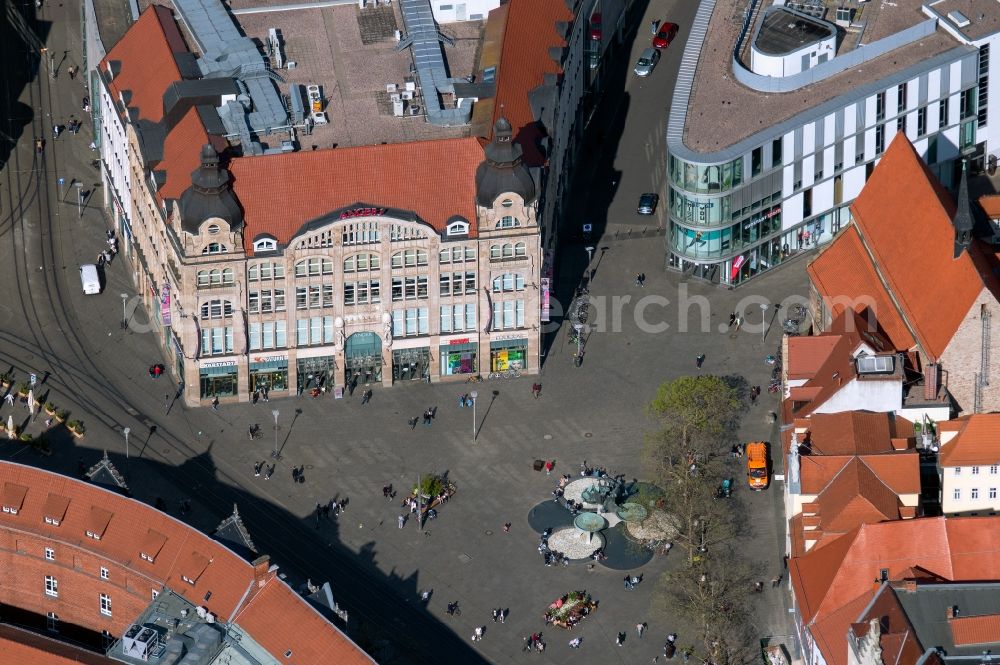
(406, 95)
(391, 87)
(395, 97)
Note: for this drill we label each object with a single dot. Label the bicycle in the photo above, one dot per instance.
(474, 379)
(255, 432)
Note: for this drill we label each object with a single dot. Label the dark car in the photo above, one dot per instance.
(647, 203)
(665, 35)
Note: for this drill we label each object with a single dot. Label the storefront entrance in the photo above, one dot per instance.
(316, 373)
(410, 364)
(363, 358)
(270, 374)
(218, 381)
(509, 354)
(458, 359)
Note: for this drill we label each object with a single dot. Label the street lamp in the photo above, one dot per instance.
(126, 432)
(763, 322)
(275, 413)
(124, 314)
(474, 395)
(590, 258)
(79, 199)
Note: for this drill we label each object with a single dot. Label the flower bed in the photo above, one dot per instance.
(570, 609)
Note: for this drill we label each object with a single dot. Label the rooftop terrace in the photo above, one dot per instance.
(712, 125)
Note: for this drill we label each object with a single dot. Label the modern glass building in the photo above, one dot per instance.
(764, 161)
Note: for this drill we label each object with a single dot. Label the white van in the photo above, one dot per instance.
(89, 278)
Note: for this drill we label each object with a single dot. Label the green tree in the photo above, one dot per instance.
(703, 405)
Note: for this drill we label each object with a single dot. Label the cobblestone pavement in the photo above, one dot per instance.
(349, 450)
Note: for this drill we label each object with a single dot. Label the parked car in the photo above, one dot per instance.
(595, 27)
(646, 62)
(647, 203)
(758, 465)
(665, 35)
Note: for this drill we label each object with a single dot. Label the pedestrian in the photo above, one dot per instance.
(412, 422)
(800, 238)
(496, 614)
(215, 403)
(428, 417)
(503, 614)
(575, 642)
(56, 129)
(638, 279)
(478, 635)
(654, 26)
(9, 398)
(302, 473)
(699, 360)
(758, 587)
(776, 582)
(642, 279)
(753, 395)
(295, 474)
(506, 527)
(628, 582)
(733, 452)
(72, 73)
(536, 390)
(549, 466)
(48, 423)
(639, 628)
(402, 521)
(269, 472)
(256, 468)
(732, 319)
(265, 393)
(784, 561)
(621, 639)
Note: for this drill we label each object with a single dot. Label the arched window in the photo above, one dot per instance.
(314, 265)
(508, 222)
(362, 263)
(458, 229)
(508, 251)
(213, 229)
(507, 203)
(520, 249)
(409, 258)
(214, 248)
(216, 309)
(265, 245)
(494, 252)
(508, 282)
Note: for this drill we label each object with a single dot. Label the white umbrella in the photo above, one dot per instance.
(10, 427)
(31, 402)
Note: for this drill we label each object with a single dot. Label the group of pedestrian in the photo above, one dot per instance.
(387, 492)
(429, 415)
(500, 614)
(299, 474)
(534, 643)
(737, 450)
(260, 393)
(259, 467)
(366, 396)
(464, 400)
(632, 581)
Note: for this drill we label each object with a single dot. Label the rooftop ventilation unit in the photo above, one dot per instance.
(391, 87)
(844, 16)
(406, 95)
(876, 364)
(274, 47)
(958, 18)
(140, 642)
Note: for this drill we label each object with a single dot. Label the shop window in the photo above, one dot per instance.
(313, 266)
(214, 248)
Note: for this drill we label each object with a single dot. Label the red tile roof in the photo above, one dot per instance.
(146, 57)
(807, 354)
(977, 441)
(858, 287)
(922, 292)
(990, 205)
(967, 631)
(832, 581)
(280, 193)
(855, 432)
(524, 61)
(222, 582)
(182, 154)
(898, 638)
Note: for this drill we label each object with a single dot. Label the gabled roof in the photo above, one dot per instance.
(897, 637)
(233, 533)
(106, 474)
(977, 441)
(182, 154)
(529, 35)
(856, 432)
(281, 193)
(146, 58)
(846, 572)
(967, 631)
(923, 292)
(856, 496)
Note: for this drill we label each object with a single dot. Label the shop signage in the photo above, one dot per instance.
(177, 345)
(219, 363)
(165, 304)
(267, 359)
(546, 307)
(761, 216)
(362, 212)
(464, 340)
(500, 338)
(737, 264)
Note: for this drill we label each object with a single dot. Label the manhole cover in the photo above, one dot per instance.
(130, 411)
(547, 437)
(587, 435)
(488, 532)
(309, 466)
(166, 451)
(464, 558)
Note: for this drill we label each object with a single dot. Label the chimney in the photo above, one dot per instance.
(931, 381)
(262, 570)
(910, 585)
(951, 612)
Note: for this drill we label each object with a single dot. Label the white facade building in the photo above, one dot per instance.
(970, 465)
(453, 11)
(745, 196)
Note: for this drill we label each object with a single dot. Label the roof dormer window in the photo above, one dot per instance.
(265, 245)
(458, 229)
(212, 229)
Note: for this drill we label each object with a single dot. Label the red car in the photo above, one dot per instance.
(665, 35)
(595, 26)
